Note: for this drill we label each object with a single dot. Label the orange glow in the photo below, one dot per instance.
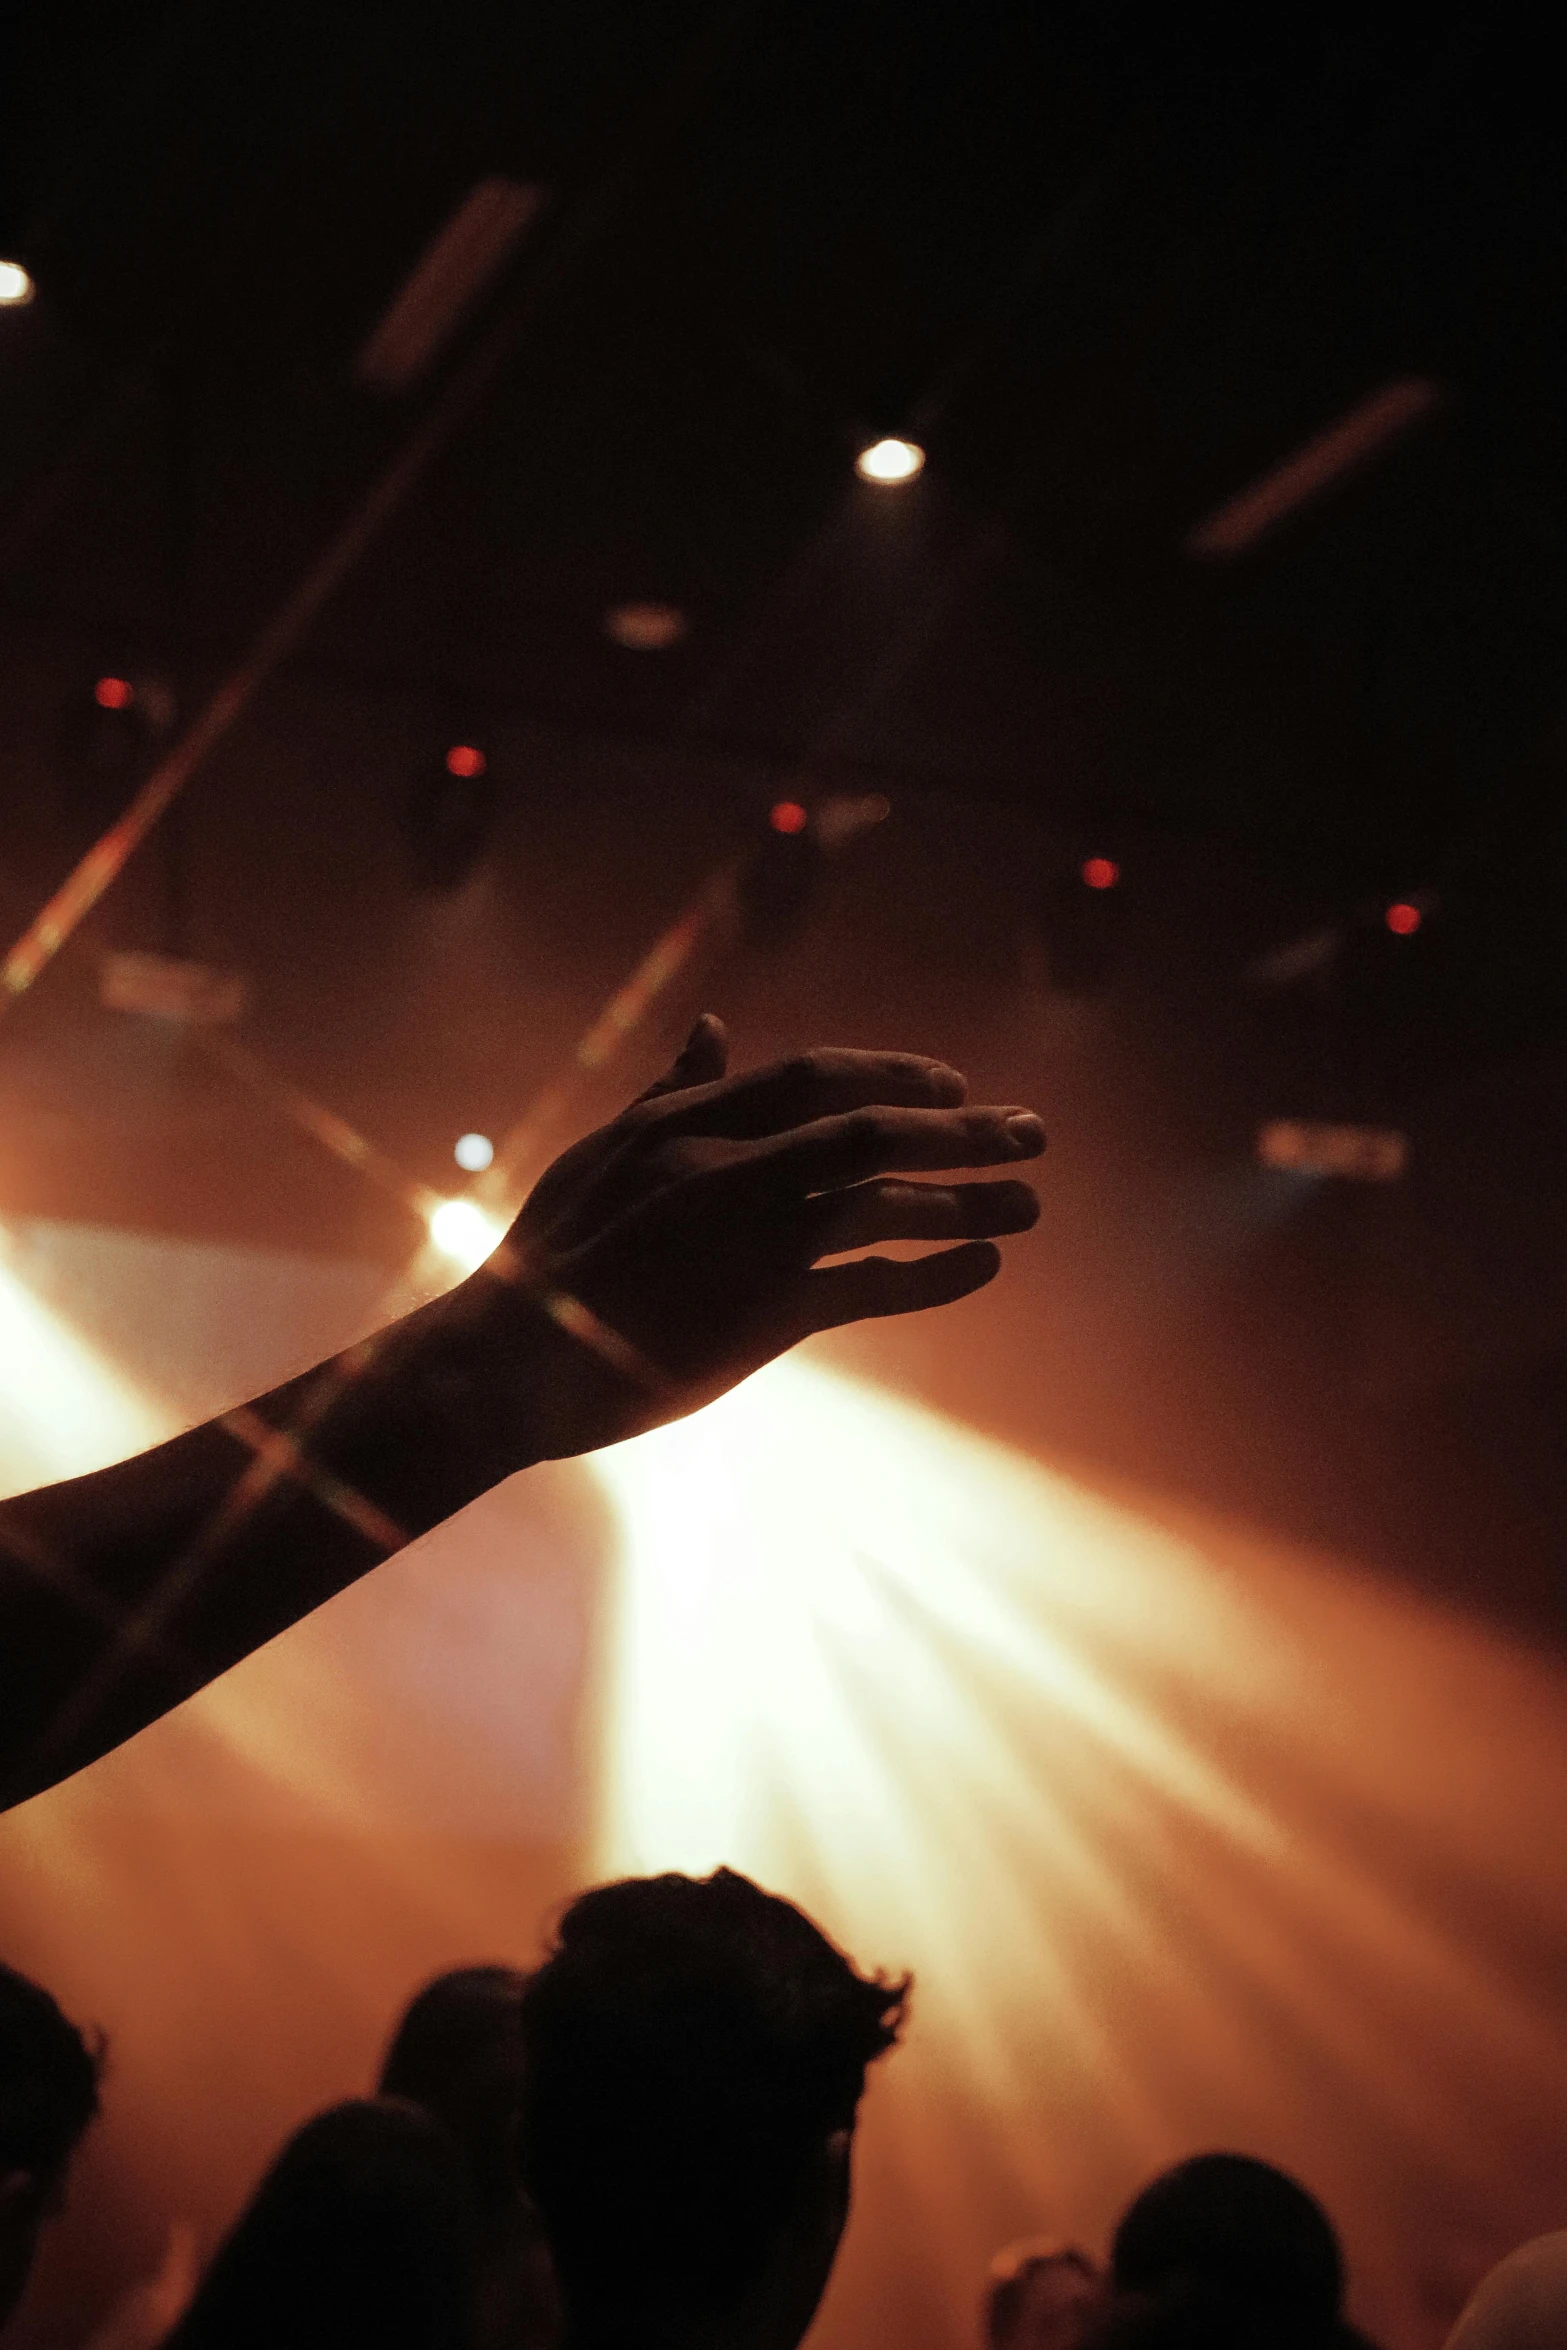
(63, 1408)
(890, 461)
(1403, 919)
(465, 759)
(1101, 872)
(114, 693)
(462, 1231)
(1122, 1797)
(1189, 1837)
(787, 816)
(645, 628)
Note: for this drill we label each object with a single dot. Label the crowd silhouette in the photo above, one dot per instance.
(647, 2142)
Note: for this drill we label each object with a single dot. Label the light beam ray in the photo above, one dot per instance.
(1182, 1839)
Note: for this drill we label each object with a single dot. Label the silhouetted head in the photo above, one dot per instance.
(48, 2095)
(696, 2053)
(1230, 2226)
(1521, 2304)
(360, 2232)
(458, 2053)
(1040, 2296)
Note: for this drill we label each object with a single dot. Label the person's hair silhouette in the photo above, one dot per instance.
(458, 2052)
(696, 2052)
(48, 2095)
(361, 2231)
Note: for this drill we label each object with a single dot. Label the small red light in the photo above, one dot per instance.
(465, 759)
(1403, 919)
(1101, 873)
(788, 816)
(114, 693)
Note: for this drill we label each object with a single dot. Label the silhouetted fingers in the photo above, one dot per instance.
(881, 1141)
(876, 1286)
(701, 1060)
(813, 1086)
(889, 1210)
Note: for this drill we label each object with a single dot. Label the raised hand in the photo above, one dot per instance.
(692, 1228)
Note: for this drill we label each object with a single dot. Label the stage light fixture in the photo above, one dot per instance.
(780, 879)
(16, 286)
(448, 816)
(1356, 1154)
(645, 628)
(1100, 872)
(1403, 918)
(167, 987)
(474, 1152)
(463, 1232)
(889, 462)
(109, 734)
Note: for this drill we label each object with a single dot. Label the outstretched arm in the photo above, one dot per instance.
(656, 1262)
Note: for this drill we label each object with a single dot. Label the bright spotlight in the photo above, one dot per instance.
(464, 1232)
(474, 1153)
(890, 461)
(16, 287)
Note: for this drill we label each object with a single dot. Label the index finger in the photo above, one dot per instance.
(885, 1140)
(829, 1082)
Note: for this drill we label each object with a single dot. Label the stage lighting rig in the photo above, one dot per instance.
(448, 816)
(1081, 919)
(109, 734)
(779, 882)
(1312, 1146)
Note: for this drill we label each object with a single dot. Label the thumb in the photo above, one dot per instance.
(702, 1059)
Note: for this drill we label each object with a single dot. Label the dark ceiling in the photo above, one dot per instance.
(1108, 274)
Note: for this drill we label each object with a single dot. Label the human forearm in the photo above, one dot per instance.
(123, 1592)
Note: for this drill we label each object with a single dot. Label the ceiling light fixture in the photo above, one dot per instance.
(645, 628)
(891, 461)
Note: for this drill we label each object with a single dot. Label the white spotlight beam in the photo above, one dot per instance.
(1243, 519)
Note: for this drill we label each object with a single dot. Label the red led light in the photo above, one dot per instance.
(1101, 873)
(1403, 919)
(465, 759)
(788, 816)
(114, 693)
